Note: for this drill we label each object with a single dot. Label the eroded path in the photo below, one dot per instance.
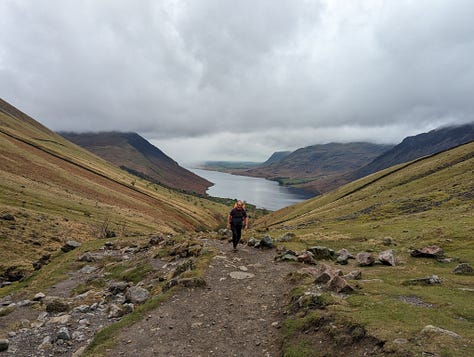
(239, 313)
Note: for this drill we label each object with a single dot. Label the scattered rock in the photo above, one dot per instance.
(388, 241)
(14, 273)
(306, 258)
(286, 237)
(365, 259)
(354, 275)
(156, 239)
(463, 268)
(387, 257)
(188, 264)
(39, 297)
(4, 344)
(343, 256)
(239, 275)
(339, 285)
(8, 217)
(287, 257)
(136, 295)
(45, 259)
(60, 320)
(117, 287)
(56, 305)
(115, 311)
(87, 257)
(430, 280)
(252, 242)
(88, 269)
(266, 242)
(70, 245)
(430, 329)
(63, 334)
(331, 279)
(432, 251)
(320, 252)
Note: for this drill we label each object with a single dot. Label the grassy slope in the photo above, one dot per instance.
(429, 201)
(58, 191)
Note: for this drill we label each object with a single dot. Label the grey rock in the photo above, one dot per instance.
(354, 275)
(38, 297)
(365, 259)
(115, 311)
(430, 280)
(306, 258)
(266, 242)
(387, 257)
(136, 295)
(4, 344)
(252, 242)
(388, 241)
(463, 268)
(430, 329)
(63, 334)
(432, 251)
(82, 309)
(287, 237)
(321, 252)
(117, 287)
(8, 217)
(339, 285)
(288, 257)
(78, 336)
(46, 343)
(70, 245)
(88, 269)
(87, 257)
(56, 305)
(188, 264)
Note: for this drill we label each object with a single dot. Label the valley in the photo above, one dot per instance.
(99, 262)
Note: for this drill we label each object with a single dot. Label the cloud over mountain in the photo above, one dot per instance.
(200, 78)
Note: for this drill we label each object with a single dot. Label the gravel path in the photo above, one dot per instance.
(239, 313)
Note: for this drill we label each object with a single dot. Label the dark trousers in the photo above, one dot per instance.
(236, 234)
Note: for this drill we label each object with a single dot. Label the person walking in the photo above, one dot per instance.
(236, 220)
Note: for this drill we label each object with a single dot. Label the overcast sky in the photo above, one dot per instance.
(238, 80)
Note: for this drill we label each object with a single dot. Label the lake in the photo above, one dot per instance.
(258, 191)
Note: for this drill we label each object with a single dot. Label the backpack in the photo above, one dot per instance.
(238, 216)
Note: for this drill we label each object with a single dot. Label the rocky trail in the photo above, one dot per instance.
(238, 313)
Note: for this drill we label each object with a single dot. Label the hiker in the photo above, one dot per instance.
(236, 220)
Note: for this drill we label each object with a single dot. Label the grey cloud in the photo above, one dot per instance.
(268, 75)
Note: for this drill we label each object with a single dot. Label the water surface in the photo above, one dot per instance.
(258, 191)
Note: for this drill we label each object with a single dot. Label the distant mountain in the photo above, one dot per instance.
(133, 153)
(316, 162)
(276, 157)
(414, 147)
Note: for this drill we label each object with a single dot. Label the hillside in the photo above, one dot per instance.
(317, 162)
(424, 203)
(133, 153)
(417, 146)
(56, 191)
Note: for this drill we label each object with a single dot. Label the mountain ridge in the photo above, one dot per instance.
(134, 153)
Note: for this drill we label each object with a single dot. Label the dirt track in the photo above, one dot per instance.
(239, 313)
